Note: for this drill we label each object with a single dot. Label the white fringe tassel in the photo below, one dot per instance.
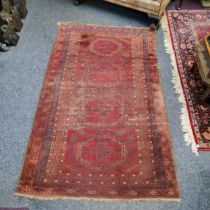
(186, 126)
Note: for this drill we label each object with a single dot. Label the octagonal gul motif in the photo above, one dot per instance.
(94, 150)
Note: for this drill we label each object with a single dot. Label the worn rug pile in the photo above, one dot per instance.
(185, 27)
(100, 129)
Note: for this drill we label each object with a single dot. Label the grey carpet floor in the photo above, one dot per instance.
(21, 74)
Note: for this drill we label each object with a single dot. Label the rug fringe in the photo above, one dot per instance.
(185, 121)
(59, 23)
(99, 199)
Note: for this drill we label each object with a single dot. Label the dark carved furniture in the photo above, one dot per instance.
(154, 8)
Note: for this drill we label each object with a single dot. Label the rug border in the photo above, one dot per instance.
(168, 124)
(182, 86)
(176, 82)
(36, 110)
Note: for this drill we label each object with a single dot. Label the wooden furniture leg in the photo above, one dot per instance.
(193, 67)
(77, 2)
(155, 21)
(178, 4)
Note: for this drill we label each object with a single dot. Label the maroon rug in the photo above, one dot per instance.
(180, 25)
(100, 129)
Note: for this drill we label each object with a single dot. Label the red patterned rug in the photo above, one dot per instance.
(181, 24)
(100, 129)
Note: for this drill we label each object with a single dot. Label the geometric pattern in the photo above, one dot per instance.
(100, 130)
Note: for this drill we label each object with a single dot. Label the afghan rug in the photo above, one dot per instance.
(184, 26)
(100, 129)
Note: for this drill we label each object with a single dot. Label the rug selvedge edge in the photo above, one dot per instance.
(29, 139)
